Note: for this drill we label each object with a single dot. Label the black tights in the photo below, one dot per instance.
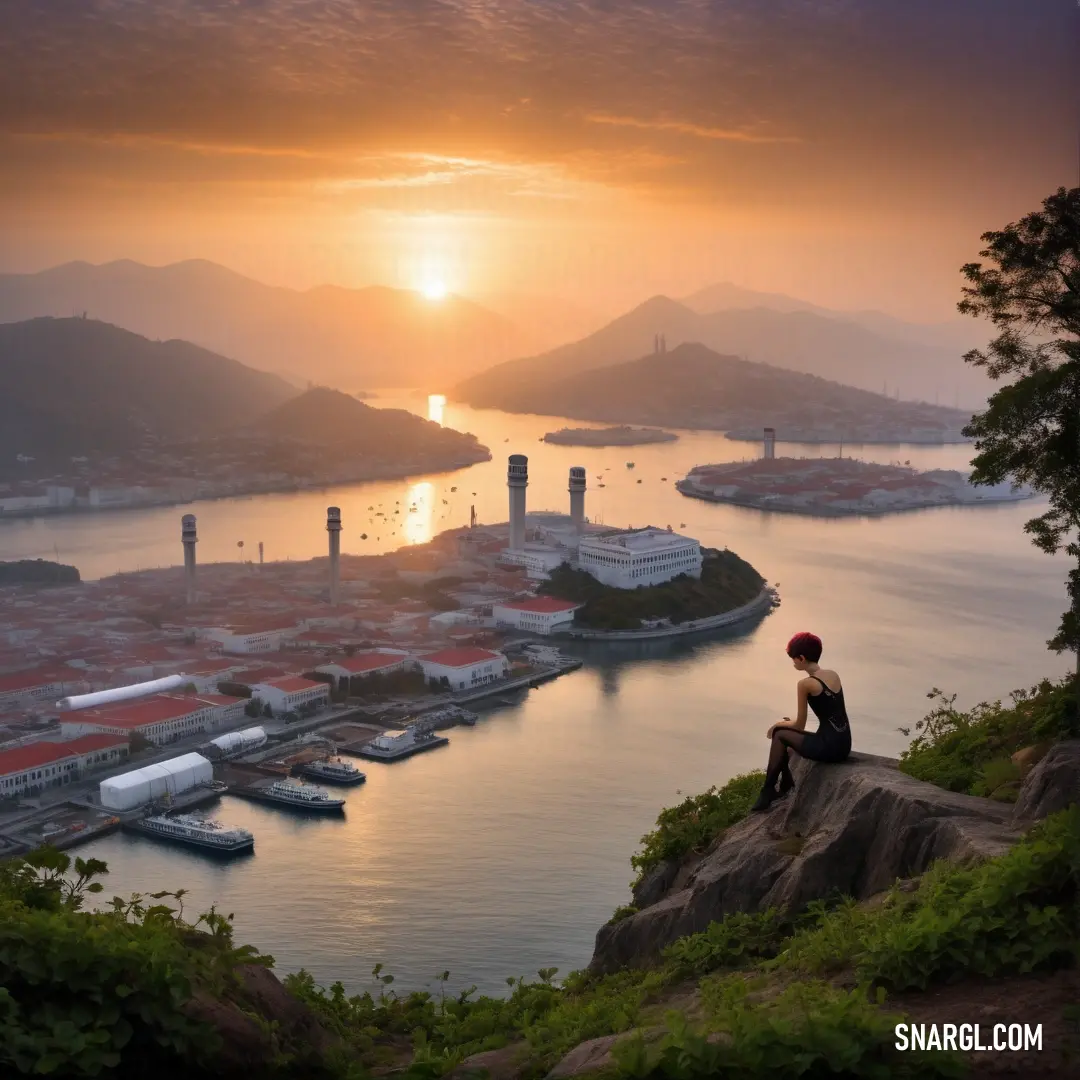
(783, 742)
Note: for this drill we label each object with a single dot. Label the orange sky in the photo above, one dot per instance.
(847, 151)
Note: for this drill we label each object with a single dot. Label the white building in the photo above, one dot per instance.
(160, 718)
(290, 693)
(646, 556)
(250, 639)
(464, 667)
(538, 615)
(30, 687)
(158, 781)
(538, 559)
(32, 768)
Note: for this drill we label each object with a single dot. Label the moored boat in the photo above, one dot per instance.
(195, 831)
(332, 770)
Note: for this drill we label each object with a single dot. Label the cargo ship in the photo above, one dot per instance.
(198, 832)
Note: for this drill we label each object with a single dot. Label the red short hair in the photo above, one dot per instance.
(805, 645)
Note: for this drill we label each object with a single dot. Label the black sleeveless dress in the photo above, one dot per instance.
(832, 740)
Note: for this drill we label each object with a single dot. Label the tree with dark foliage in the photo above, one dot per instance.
(1030, 431)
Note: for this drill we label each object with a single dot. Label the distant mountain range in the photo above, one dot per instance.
(70, 386)
(691, 386)
(79, 387)
(958, 333)
(351, 338)
(798, 341)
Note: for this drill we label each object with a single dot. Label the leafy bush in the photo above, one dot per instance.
(733, 942)
(810, 1030)
(953, 749)
(84, 992)
(697, 821)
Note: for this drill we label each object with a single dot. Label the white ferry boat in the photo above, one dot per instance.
(391, 745)
(333, 771)
(197, 831)
(300, 795)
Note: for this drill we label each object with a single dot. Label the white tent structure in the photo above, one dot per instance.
(239, 742)
(136, 788)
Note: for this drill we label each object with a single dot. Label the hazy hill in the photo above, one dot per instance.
(352, 338)
(692, 386)
(328, 417)
(69, 386)
(957, 333)
(796, 340)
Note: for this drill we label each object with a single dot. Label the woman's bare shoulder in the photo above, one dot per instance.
(830, 678)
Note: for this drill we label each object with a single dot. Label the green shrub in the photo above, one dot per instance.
(952, 748)
(810, 1030)
(622, 912)
(697, 821)
(83, 992)
(733, 942)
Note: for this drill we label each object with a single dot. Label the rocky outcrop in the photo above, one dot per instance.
(259, 1025)
(854, 827)
(1052, 785)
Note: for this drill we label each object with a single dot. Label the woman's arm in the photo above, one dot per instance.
(799, 723)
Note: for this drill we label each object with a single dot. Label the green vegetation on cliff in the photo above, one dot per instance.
(726, 582)
(972, 751)
(37, 572)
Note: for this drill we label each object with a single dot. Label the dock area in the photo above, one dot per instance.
(373, 753)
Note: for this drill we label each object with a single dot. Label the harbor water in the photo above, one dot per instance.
(503, 852)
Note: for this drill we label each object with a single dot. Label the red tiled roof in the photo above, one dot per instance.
(88, 744)
(367, 661)
(461, 657)
(150, 710)
(546, 605)
(28, 680)
(37, 754)
(290, 684)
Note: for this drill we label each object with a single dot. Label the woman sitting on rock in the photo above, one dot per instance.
(821, 690)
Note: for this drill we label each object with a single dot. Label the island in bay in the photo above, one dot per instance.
(623, 435)
(838, 486)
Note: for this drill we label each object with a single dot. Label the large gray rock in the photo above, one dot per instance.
(854, 827)
(1052, 785)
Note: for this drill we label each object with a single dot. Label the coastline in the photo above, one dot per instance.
(609, 437)
(761, 604)
(841, 512)
(246, 490)
(815, 439)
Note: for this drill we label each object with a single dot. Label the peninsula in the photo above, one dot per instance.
(838, 486)
(609, 436)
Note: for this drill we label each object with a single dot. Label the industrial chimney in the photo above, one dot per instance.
(770, 443)
(189, 540)
(333, 527)
(517, 480)
(577, 496)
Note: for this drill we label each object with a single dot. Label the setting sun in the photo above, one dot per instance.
(434, 290)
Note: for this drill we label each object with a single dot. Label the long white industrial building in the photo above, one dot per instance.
(141, 786)
(239, 742)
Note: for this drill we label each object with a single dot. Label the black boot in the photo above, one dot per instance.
(767, 797)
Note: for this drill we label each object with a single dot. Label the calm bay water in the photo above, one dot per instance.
(504, 852)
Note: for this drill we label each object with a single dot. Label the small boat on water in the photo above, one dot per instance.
(332, 771)
(195, 831)
(629, 464)
(300, 796)
(601, 485)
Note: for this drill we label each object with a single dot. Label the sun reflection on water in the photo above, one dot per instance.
(436, 403)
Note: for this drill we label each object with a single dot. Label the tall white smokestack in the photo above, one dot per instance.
(770, 442)
(577, 496)
(333, 527)
(189, 538)
(517, 480)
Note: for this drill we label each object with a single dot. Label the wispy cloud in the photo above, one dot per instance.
(698, 131)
